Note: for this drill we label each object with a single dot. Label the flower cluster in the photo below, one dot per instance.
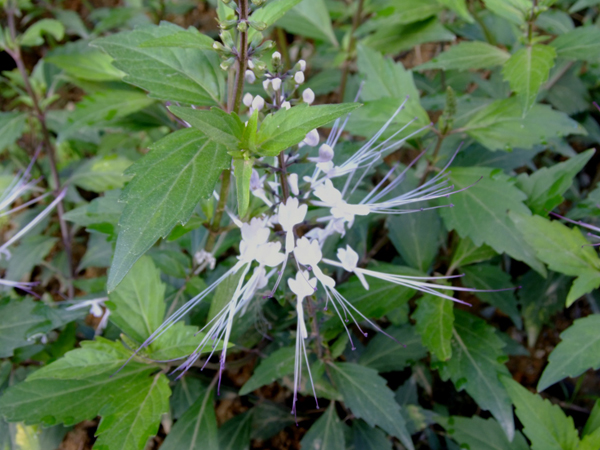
(270, 241)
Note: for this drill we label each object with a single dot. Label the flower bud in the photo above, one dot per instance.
(286, 105)
(293, 182)
(308, 96)
(300, 65)
(266, 85)
(325, 153)
(225, 65)
(250, 77)
(258, 103)
(242, 26)
(299, 77)
(312, 138)
(258, 25)
(276, 57)
(247, 100)
(276, 83)
(250, 64)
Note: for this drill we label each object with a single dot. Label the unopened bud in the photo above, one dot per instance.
(258, 2)
(250, 77)
(247, 100)
(299, 77)
(242, 26)
(250, 64)
(301, 65)
(286, 105)
(258, 103)
(312, 138)
(257, 25)
(308, 96)
(276, 57)
(225, 65)
(276, 83)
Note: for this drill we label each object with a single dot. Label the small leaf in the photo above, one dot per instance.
(435, 321)
(277, 365)
(514, 11)
(326, 433)
(369, 398)
(12, 125)
(527, 70)
(309, 18)
(467, 55)
(545, 424)
(285, 128)
(33, 35)
(17, 319)
(578, 351)
(468, 253)
(169, 181)
(578, 44)
(384, 355)
(271, 13)
(242, 171)
(235, 433)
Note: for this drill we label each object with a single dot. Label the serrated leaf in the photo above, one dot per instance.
(434, 318)
(223, 128)
(480, 213)
(369, 398)
(128, 425)
(475, 367)
(18, 318)
(468, 253)
(12, 125)
(527, 70)
(500, 125)
(326, 433)
(285, 128)
(481, 434)
(385, 355)
(580, 43)
(545, 424)
(185, 75)
(545, 187)
(578, 351)
(197, 428)
(488, 277)
(277, 365)
(137, 304)
(169, 181)
(563, 249)
(309, 18)
(103, 107)
(467, 55)
(177, 342)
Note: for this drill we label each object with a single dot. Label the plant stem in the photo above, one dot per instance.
(285, 191)
(242, 58)
(15, 53)
(282, 46)
(215, 227)
(430, 164)
(351, 50)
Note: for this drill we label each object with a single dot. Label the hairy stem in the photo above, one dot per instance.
(15, 53)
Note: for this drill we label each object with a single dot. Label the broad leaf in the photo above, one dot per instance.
(101, 173)
(326, 433)
(515, 11)
(467, 55)
(468, 253)
(578, 351)
(435, 321)
(564, 249)
(180, 169)
(385, 355)
(85, 63)
(235, 433)
(480, 213)
(277, 365)
(501, 126)
(460, 7)
(309, 18)
(288, 127)
(545, 424)
(369, 398)
(271, 12)
(527, 70)
(366, 437)
(475, 366)
(19, 319)
(197, 428)
(12, 125)
(481, 434)
(580, 43)
(222, 128)
(190, 38)
(137, 305)
(185, 75)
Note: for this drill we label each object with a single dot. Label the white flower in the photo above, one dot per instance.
(312, 138)
(293, 182)
(325, 154)
(250, 77)
(290, 214)
(269, 254)
(332, 198)
(308, 96)
(266, 84)
(286, 105)
(302, 286)
(349, 259)
(299, 77)
(247, 100)
(302, 65)
(258, 103)
(276, 56)
(276, 83)
(250, 64)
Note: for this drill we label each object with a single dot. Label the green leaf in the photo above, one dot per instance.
(593, 423)
(268, 419)
(309, 18)
(488, 277)
(101, 173)
(563, 249)
(242, 171)
(222, 128)
(545, 424)
(468, 253)
(190, 38)
(223, 294)
(137, 304)
(277, 365)
(197, 428)
(87, 65)
(578, 351)
(424, 228)
(271, 13)
(459, 7)
(178, 341)
(185, 75)
(103, 107)
(31, 251)
(481, 434)
(480, 213)
(527, 70)
(580, 43)
(289, 127)
(33, 35)
(327, 433)
(475, 366)
(19, 319)
(434, 318)
(365, 437)
(369, 398)
(501, 126)
(384, 355)
(128, 425)
(545, 187)
(467, 55)
(169, 181)
(235, 433)
(12, 125)
(514, 11)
